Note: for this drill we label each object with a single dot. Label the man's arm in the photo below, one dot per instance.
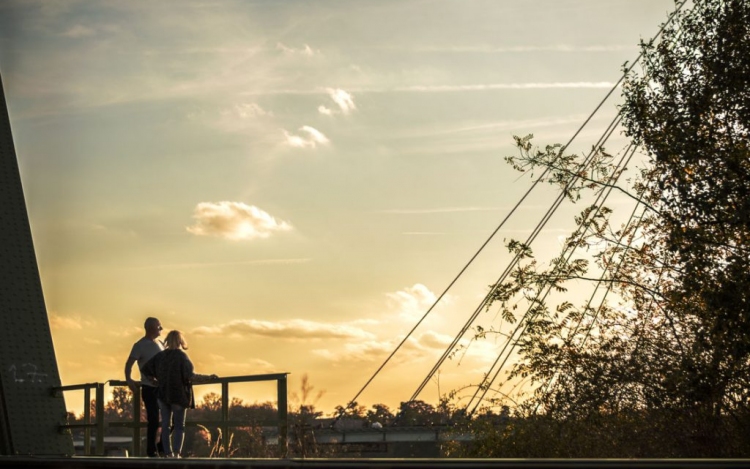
(128, 368)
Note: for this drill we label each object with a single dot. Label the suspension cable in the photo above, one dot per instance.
(512, 211)
(523, 323)
(625, 73)
(601, 280)
(613, 124)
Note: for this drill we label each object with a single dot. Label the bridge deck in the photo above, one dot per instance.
(217, 463)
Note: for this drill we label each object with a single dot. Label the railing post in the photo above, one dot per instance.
(283, 415)
(100, 419)
(87, 420)
(225, 417)
(137, 421)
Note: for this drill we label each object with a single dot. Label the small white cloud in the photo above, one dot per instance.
(434, 340)
(326, 354)
(343, 99)
(313, 138)
(412, 303)
(315, 135)
(234, 220)
(250, 110)
(306, 50)
(297, 141)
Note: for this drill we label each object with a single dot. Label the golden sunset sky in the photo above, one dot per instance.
(293, 183)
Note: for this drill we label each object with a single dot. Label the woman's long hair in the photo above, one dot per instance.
(176, 341)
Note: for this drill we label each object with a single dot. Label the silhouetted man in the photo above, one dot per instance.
(142, 352)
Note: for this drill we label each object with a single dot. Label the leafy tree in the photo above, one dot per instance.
(352, 411)
(263, 414)
(211, 403)
(692, 114)
(379, 413)
(120, 407)
(417, 412)
(669, 355)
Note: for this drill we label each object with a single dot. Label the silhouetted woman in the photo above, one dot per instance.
(174, 375)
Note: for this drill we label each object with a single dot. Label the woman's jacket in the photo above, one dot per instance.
(174, 373)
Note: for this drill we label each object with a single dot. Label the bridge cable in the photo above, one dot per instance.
(551, 381)
(476, 254)
(495, 286)
(603, 275)
(502, 223)
(523, 323)
(528, 315)
(450, 348)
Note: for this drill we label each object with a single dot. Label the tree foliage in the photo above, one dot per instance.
(668, 354)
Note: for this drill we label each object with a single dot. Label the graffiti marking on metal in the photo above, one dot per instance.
(29, 374)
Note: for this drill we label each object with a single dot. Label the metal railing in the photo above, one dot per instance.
(137, 424)
(87, 425)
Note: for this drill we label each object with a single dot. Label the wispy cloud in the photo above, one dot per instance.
(200, 265)
(469, 137)
(59, 322)
(523, 48)
(362, 351)
(109, 361)
(249, 110)
(438, 88)
(434, 340)
(287, 329)
(398, 211)
(343, 100)
(305, 50)
(413, 302)
(79, 31)
(239, 117)
(414, 348)
(128, 332)
(221, 364)
(426, 344)
(505, 86)
(235, 221)
(518, 124)
(312, 138)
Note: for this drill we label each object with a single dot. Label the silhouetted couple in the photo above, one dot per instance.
(167, 377)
